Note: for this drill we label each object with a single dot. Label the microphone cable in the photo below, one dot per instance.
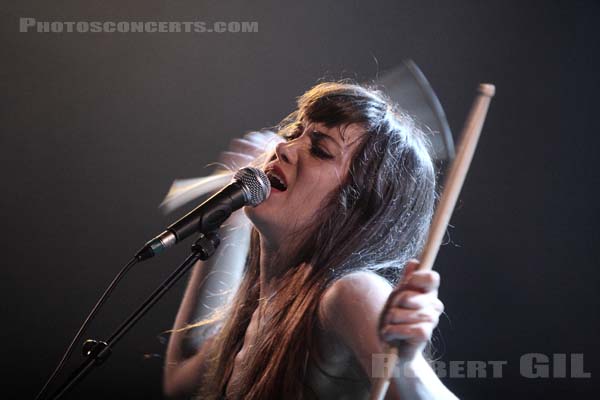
(85, 324)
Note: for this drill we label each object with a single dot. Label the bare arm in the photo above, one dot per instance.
(351, 308)
(211, 284)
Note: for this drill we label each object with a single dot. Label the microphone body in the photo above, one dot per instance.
(250, 186)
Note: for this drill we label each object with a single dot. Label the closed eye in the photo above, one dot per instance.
(317, 151)
(315, 138)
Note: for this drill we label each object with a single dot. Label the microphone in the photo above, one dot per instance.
(249, 187)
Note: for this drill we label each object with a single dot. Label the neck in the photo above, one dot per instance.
(272, 263)
(276, 257)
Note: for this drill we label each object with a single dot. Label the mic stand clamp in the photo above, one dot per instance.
(206, 245)
(97, 351)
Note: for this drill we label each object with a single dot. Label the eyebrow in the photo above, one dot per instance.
(322, 136)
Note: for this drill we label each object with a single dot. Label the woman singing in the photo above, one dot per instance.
(353, 190)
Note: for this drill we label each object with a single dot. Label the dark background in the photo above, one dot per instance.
(96, 126)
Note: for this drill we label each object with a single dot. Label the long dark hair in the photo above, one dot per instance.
(376, 220)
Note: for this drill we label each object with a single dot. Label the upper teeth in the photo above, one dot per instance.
(274, 175)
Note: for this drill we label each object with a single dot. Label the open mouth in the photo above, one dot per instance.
(277, 182)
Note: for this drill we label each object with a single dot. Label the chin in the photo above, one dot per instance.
(260, 219)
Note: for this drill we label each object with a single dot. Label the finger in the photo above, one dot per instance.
(438, 305)
(410, 316)
(414, 299)
(411, 266)
(423, 280)
(415, 333)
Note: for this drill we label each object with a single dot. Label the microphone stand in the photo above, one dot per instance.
(97, 351)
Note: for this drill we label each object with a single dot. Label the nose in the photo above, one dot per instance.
(285, 153)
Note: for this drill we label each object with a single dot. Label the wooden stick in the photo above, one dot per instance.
(452, 186)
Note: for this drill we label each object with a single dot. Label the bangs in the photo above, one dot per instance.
(335, 104)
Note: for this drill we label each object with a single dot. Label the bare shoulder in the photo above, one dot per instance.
(349, 312)
(356, 296)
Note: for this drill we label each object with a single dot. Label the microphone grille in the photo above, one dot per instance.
(255, 183)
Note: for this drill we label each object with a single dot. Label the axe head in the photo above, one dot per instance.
(407, 86)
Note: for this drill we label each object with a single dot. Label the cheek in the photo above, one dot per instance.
(314, 190)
